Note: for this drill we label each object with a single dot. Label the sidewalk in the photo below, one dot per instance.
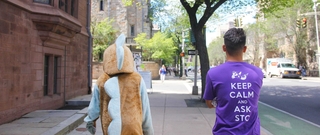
(175, 111)
(170, 112)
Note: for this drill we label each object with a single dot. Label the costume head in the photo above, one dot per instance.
(120, 55)
(120, 97)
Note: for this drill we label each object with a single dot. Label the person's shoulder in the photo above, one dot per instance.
(251, 66)
(255, 68)
(217, 68)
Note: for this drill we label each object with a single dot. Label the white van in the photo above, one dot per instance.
(282, 68)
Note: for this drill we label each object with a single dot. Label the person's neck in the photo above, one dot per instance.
(235, 58)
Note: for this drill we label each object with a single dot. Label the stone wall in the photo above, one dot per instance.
(124, 17)
(97, 70)
(152, 67)
(112, 9)
(30, 34)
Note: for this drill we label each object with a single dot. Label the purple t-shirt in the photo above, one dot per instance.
(236, 87)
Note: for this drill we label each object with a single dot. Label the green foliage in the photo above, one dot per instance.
(280, 27)
(130, 2)
(215, 52)
(104, 34)
(158, 47)
(271, 6)
(127, 2)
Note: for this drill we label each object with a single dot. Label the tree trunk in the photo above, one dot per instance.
(197, 27)
(203, 55)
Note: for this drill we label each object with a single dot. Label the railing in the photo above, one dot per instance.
(130, 40)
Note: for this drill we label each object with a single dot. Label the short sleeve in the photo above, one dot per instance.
(209, 90)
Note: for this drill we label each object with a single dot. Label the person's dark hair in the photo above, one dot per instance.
(235, 40)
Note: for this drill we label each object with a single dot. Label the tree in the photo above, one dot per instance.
(285, 29)
(158, 47)
(216, 55)
(255, 40)
(103, 35)
(207, 8)
(269, 7)
(172, 20)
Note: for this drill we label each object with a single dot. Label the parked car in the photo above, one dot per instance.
(190, 68)
(282, 68)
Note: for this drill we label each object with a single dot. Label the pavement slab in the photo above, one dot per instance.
(44, 122)
(170, 114)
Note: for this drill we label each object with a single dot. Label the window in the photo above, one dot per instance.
(52, 72)
(66, 6)
(69, 6)
(101, 5)
(43, 1)
(61, 4)
(288, 65)
(72, 7)
(55, 75)
(132, 30)
(46, 75)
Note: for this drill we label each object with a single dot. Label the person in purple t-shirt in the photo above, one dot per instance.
(234, 88)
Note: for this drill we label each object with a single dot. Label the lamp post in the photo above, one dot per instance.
(315, 4)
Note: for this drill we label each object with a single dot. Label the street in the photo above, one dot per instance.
(286, 103)
(288, 106)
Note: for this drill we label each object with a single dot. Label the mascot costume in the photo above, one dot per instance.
(120, 96)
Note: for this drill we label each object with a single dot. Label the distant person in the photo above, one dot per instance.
(304, 71)
(234, 89)
(162, 73)
(169, 70)
(175, 71)
(186, 71)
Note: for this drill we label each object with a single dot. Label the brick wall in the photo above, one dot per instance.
(22, 53)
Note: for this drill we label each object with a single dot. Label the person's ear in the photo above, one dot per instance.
(224, 48)
(244, 49)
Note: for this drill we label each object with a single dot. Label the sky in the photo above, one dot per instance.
(247, 13)
(247, 16)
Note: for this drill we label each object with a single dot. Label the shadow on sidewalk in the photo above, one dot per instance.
(195, 103)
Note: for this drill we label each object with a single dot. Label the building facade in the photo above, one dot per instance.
(44, 54)
(129, 20)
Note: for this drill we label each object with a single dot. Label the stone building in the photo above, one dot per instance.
(129, 20)
(44, 53)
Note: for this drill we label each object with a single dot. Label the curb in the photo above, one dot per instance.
(311, 78)
(68, 125)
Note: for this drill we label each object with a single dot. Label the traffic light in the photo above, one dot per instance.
(304, 22)
(298, 23)
(235, 22)
(240, 22)
(182, 54)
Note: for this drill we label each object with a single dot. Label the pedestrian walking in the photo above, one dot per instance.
(233, 88)
(304, 71)
(120, 96)
(162, 73)
(186, 71)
